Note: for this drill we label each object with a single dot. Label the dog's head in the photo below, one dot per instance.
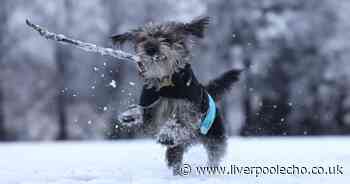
(162, 48)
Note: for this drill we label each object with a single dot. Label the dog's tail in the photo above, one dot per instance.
(217, 87)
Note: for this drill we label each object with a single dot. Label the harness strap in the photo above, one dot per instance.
(209, 118)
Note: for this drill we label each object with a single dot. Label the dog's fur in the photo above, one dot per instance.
(173, 102)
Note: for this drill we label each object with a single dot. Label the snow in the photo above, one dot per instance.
(105, 108)
(113, 83)
(142, 161)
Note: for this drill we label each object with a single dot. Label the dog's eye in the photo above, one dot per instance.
(142, 39)
(165, 40)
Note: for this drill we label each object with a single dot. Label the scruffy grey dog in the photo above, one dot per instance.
(173, 103)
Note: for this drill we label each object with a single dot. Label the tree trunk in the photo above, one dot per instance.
(341, 111)
(3, 135)
(271, 117)
(4, 14)
(113, 94)
(247, 109)
(62, 55)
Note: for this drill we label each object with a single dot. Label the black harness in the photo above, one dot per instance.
(185, 86)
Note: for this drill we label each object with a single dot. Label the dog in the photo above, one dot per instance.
(173, 104)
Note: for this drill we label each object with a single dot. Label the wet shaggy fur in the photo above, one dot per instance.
(173, 103)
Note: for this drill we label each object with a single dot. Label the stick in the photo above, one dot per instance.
(89, 47)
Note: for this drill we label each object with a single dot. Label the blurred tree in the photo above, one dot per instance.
(274, 40)
(341, 109)
(115, 71)
(62, 56)
(299, 42)
(4, 20)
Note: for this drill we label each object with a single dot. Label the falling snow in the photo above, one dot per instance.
(113, 83)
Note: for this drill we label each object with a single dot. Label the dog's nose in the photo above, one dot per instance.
(151, 48)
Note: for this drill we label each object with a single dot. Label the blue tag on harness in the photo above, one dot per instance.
(209, 118)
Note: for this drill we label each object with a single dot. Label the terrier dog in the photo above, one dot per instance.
(173, 104)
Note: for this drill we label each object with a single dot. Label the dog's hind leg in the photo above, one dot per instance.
(216, 149)
(215, 142)
(174, 156)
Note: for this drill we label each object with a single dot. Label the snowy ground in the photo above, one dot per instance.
(141, 162)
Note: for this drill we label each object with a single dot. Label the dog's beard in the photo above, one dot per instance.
(161, 65)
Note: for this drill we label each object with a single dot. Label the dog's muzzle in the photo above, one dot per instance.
(156, 58)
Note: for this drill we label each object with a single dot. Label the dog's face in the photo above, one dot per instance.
(162, 48)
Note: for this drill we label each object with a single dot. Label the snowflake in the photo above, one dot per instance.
(95, 69)
(89, 122)
(105, 108)
(113, 84)
(132, 83)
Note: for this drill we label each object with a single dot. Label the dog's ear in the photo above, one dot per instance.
(119, 39)
(197, 26)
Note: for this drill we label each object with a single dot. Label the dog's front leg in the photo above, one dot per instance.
(132, 117)
(138, 118)
(174, 156)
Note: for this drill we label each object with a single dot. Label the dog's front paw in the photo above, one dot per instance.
(165, 140)
(176, 169)
(131, 117)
